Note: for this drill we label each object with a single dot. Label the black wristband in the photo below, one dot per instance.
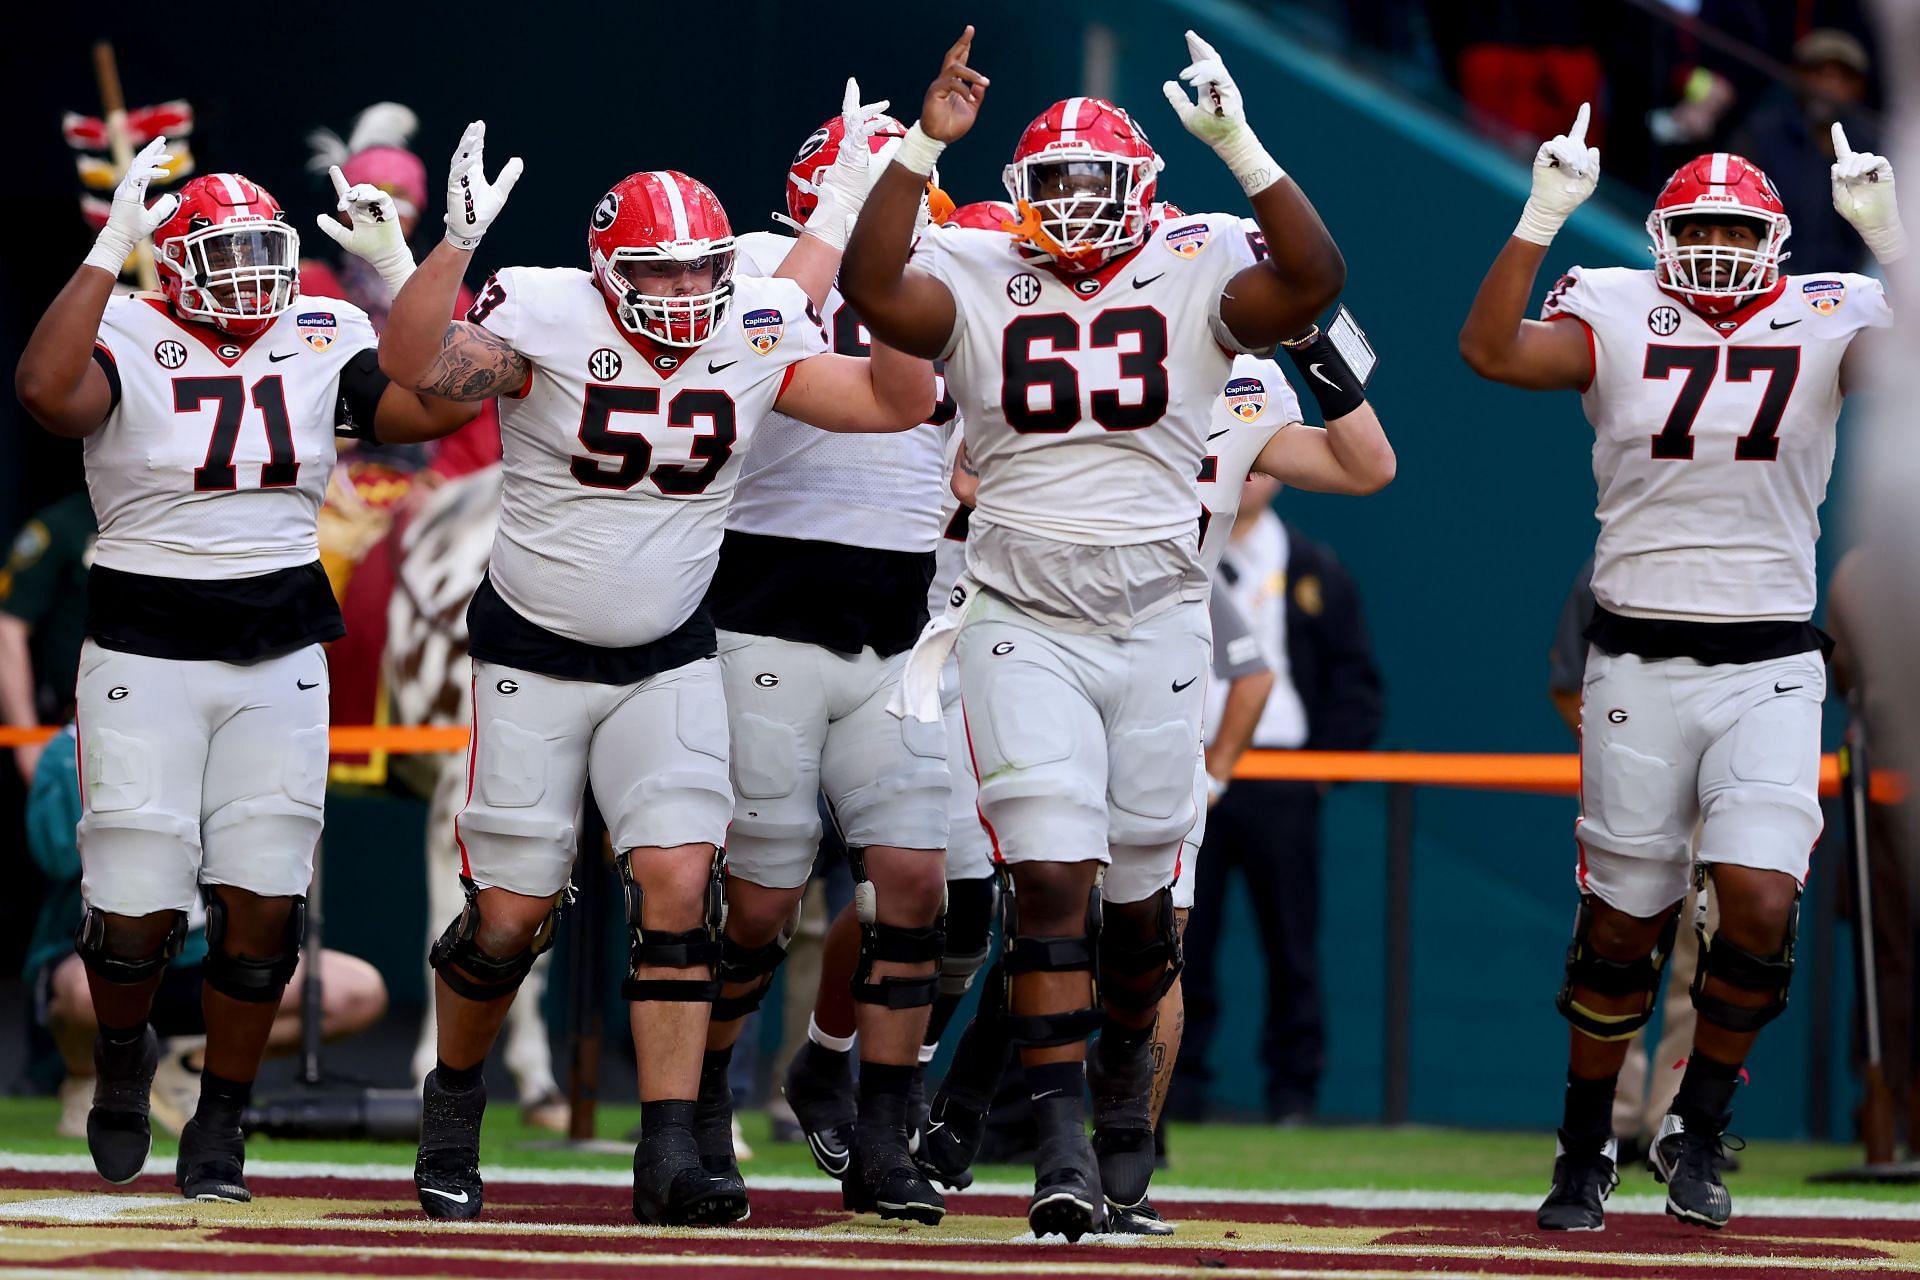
(1326, 373)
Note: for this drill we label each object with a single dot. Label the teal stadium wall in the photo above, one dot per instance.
(1463, 562)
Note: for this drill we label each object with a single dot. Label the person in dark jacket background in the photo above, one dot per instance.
(1305, 611)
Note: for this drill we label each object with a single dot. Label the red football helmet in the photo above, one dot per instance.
(662, 252)
(985, 215)
(1717, 278)
(227, 256)
(822, 148)
(1083, 178)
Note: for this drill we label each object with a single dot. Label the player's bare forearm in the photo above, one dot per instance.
(904, 308)
(416, 326)
(887, 391)
(1351, 455)
(812, 264)
(1246, 699)
(56, 379)
(405, 416)
(16, 673)
(1500, 343)
(471, 364)
(1301, 276)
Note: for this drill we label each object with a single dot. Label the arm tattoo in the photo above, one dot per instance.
(474, 365)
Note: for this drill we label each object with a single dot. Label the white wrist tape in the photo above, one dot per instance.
(918, 153)
(1537, 225)
(1889, 243)
(396, 269)
(110, 252)
(1249, 162)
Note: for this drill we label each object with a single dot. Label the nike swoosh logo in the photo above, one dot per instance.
(1178, 685)
(1314, 369)
(302, 684)
(1776, 324)
(277, 356)
(1052, 1093)
(1138, 283)
(936, 1127)
(445, 1195)
(1216, 435)
(835, 1162)
(715, 368)
(1785, 688)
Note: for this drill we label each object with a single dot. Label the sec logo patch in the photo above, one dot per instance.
(1246, 398)
(604, 364)
(1023, 290)
(170, 354)
(1663, 320)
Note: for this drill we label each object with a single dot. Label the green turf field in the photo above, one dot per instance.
(1227, 1156)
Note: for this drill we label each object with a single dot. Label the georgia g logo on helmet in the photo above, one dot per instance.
(606, 211)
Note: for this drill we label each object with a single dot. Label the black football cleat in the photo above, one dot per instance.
(1689, 1162)
(883, 1178)
(1067, 1200)
(1137, 1220)
(446, 1172)
(1582, 1181)
(713, 1131)
(212, 1161)
(672, 1188)
(1121, 1080)
(119, 1132)
(819, 1087)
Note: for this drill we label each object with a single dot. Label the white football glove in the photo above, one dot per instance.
(1863, 195)
(1565, 172)
(130, 221)
(375, 231)
(1219, 118)
(844, 183)
(473, 202)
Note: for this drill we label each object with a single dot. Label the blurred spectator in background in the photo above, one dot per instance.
(1522, 65)
(354, 996)
(1305, 612)
(373, 492)
(1646, 1090)
(1890, 844)
(1789, 136)
(43, 606)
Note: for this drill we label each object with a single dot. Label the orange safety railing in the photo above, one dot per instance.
(1553, 774)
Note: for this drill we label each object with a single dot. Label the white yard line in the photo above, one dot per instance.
(1747, 1206)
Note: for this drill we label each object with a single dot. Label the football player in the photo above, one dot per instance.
(631, 391)
(1083, 355)
(819, 595)
(1256, 428)
(1713, 381)
(209, 412)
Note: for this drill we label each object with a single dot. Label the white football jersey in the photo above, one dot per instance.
(214, 461)
(860, 489)
(1086, 402)
(1256, 402)
(950, 553)
(620, 456)
(1714, 439)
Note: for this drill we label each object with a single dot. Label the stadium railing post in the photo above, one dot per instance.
(1397, 1039)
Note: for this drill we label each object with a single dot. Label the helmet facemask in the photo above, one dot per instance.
(1717, 278)
(675, 293)
(1082, 209)
(236, 274)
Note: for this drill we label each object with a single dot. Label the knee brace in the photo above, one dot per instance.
(891, 942)
(751, 964)
(1026, 953)
(1128, 952)
(969, 933)
(1768, 975)
(473, 973)
(684, 949)
(1588, 969)
(90, 942)
(253, 979)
